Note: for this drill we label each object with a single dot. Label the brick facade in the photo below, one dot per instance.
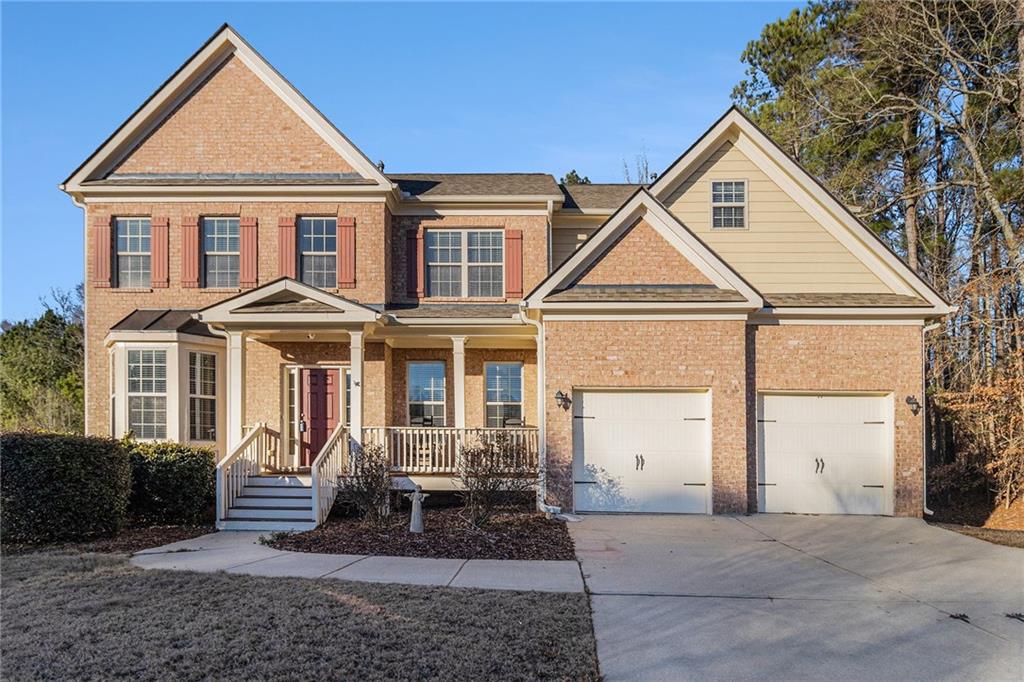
(642, 256)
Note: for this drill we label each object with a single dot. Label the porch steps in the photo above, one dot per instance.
(273, 502)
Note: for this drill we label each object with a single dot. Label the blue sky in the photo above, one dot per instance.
(423, 87)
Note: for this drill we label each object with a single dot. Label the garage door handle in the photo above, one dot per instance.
(873, 486)
(637, 467)
(695, 484)
(817, 465)
(822, 465)
(642, 462)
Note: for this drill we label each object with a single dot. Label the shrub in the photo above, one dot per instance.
(367, 487)
(61, 487)
(490, 473)
(171, 483)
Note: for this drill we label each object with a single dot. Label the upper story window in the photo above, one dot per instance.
(147, 393)
(318, 252)
(133, 252)
(426, 394)
(220, 252)
(465, 263)
(729, 203)
(504, 394)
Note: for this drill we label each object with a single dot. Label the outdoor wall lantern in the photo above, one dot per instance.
(915, 406)
(563, 400)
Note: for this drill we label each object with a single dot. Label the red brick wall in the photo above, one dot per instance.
(642, 256)
(884, 358)
(234, 124)
(655, 354)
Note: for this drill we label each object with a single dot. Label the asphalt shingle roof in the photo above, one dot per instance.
(844, 301)
(606, 196)
(431, 185)
(452, 310)
(163, 320)
(640, 293)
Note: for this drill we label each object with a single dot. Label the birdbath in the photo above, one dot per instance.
(416, 520)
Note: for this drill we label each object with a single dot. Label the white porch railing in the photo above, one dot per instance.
(257, 450)
(326, 469)
(435, 450)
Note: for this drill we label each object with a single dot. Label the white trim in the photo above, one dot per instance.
(227, 312)
(152, 194)
(644, 205)
(225, 43)
(459, 379)
(612, 316)
(121, 336)
(745, 204)
(824, 322)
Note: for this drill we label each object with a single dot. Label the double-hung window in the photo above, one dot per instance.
(202, 396)
(133, 252)
(220, 252)
(318, 252)
(147, 393)
(504, 393)
(426, 393)
(465, 263)
(729, 203)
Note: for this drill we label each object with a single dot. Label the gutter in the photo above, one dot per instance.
(924, 418)
(542, 458)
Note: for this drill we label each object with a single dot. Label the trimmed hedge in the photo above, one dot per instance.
(60, 487)
(171, 483)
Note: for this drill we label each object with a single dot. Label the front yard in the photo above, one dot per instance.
(90, 616)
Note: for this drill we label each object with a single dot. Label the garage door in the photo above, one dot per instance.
(825, 454)
(641, 451)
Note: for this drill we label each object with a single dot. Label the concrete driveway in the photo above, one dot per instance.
(784, 597)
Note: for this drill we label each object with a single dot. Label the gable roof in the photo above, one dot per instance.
(834, 216)
(725, 282)
(285, 301)
(434, 186)
(224, 43)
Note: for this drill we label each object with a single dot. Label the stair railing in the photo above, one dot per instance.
(234, 470)
(325, 471)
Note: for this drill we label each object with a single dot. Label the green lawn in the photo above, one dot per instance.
(93, 616)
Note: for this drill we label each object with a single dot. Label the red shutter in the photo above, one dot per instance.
(286, 246)
(190, 252)
(513, 263)
(158, 252)
(100, 234)
(346, 253)
(248, 261)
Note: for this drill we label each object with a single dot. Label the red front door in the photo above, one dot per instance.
(319, 410)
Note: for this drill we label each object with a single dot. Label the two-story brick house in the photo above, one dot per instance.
(728, 338)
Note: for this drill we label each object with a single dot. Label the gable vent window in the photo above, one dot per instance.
(729, 203)
(220, 252)
(318, 252)
(466, 263)
(133, 252)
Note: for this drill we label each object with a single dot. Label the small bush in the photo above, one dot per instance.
(61, 488)
(492, 473)
(171, 483)
(367, 487)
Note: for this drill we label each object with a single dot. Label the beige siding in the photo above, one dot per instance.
(783, 249)
(568, 234)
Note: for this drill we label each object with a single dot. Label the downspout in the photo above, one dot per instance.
(542, 455)
(924, 417)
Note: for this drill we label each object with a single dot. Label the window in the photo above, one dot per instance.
(147, 393)
(318, 252)
(220, 252)
(729, 203)
(133, 252)
(465, 263)
(426, 393)
(202, 396)
(504, 393)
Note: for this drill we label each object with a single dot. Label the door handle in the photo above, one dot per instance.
(302, 426)
(637, 468)
(817, 465)
(822, 465)
(642, 462)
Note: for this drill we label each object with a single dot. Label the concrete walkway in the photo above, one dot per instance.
(241, 552)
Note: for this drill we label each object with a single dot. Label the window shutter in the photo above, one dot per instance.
(414, 261)
(286, 246)
(513, 263)
(346, 253)
(190, 252)
(100, 235)
(248, 245)
(158, 252)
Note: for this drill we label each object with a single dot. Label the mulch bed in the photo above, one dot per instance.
(514, 535)
(1000, 525)
(126, 542)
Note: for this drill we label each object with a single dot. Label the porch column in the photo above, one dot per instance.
(356, 370)
(236, 388)
(459, 375)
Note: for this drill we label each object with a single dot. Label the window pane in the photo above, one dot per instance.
(486, 247)
(504, 382)
(221, 271)
(319, 271)
(486, 280)
(133, 271)
(444, 280)
(727, 216)
(498, 414)
(147, 416)
(426, 381)
(202, 419)
(318, 244)
(147, 371)
(443, 247)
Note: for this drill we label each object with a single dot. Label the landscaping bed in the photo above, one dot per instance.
(976, 517)
(94, 616)
(126, 542)
(447, 535)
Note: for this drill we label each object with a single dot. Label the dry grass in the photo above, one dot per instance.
(91, 616)
(1010, 538)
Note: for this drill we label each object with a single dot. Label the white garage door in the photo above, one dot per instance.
(824, 454)
(641, 451)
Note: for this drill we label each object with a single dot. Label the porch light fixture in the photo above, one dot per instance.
(563, 400)
(915, 406)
